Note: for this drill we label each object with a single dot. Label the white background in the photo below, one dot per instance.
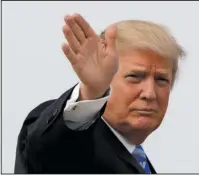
(35, 70)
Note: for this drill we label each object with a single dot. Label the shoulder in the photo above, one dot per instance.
(48, 107)
(35, 113)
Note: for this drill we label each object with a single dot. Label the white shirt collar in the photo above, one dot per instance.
(130, 147)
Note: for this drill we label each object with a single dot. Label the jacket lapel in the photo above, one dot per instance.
(151, 167)
(118, 147)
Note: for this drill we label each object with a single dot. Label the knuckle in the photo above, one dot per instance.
(77, 49)
(80, 56)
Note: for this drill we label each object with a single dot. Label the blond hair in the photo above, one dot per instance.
(140, 34)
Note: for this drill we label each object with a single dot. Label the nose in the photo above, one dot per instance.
(148, 90)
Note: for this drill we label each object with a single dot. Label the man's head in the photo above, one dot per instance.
(148, 63)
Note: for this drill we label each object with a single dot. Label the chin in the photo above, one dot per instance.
(140, 124)
(137, 130)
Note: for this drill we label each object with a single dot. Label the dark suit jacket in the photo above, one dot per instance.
(47, 145)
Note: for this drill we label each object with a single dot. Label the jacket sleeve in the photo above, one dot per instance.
(44, 138)
(37, 122)
(20, 161)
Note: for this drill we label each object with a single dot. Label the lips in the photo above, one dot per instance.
(145, 111)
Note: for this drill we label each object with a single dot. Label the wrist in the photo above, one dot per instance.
(87, 93)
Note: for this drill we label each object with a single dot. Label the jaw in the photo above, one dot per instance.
(136, 129)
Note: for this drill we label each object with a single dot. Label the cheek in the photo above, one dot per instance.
(163, 99)
(122, 94)
(125, 91)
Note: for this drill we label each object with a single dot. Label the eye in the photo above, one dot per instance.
(135, 77)
(162, 80)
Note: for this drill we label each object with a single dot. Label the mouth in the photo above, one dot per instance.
(145, 112)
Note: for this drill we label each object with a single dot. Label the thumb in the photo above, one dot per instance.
(110, 36)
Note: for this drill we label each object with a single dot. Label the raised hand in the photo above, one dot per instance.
(94, 60)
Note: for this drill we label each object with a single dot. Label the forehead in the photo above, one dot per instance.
(144, 60)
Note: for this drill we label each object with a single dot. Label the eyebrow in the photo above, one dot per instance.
(162, 74)
(145, 71)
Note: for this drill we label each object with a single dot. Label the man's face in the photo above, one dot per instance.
(139, 92)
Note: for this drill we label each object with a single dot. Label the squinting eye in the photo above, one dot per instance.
(162, 80)
(134, 78)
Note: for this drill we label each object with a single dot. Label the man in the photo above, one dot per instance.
(98, 125)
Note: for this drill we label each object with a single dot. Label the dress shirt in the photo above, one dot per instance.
(80, 115)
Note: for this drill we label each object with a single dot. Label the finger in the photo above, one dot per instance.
(69, 53)
(73, 42)
(77, 31)
(88, 31)
(110, 36)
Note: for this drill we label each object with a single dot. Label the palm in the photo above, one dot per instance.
(94, 61)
